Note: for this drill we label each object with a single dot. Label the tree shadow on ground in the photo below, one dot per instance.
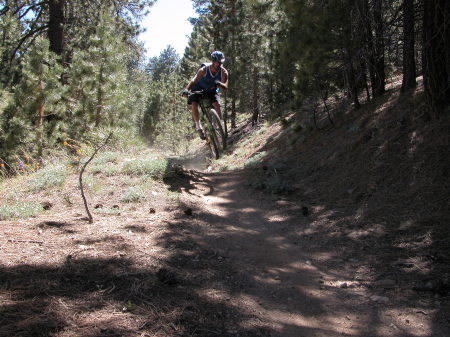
(377, 187)
(328, 291)
(122, 298)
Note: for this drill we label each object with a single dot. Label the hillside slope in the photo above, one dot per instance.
(377, 181)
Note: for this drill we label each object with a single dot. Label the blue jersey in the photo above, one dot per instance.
(208, 81)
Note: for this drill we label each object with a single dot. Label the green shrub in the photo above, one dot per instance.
(123, 140)
(133, 194)
(253, 161)
(91, 183)
(19, 210)
(155, 168)
(48, 177)
(106, 157)
(106, 169)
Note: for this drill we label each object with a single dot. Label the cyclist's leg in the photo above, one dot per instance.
(193, 101)
(216, 106)
(195, 114)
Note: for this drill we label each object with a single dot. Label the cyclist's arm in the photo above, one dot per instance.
(224, 78)
(200, 73)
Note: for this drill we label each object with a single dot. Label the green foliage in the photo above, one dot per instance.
(91, 183)
(165, 64)
(48, 177)
(37, 95)
(155, 168)
(19, 210)
(124, 139)
(107, 169)
(133, 194)
(98, 78)
(167, 120)
(107, 157)
(97, 83)
(255, 160)
(175, 129)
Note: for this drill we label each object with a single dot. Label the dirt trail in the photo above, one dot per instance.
(274, 268)
(213, 257)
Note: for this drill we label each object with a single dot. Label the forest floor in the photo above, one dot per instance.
(295, 232)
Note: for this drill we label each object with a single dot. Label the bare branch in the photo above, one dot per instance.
(31, 33)
(80, 178)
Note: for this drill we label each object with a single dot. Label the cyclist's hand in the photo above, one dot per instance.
(185, 93)
(217, 83)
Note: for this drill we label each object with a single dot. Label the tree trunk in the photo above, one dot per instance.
(348, 55)
(255, 107)
(99, 108)
(436, 55)
(232, 84)
(379, 88)
(41, 105)
(409, 61)
(352, 87)
(233, 112)
(56, 25)
(363, 77)
(369, 48)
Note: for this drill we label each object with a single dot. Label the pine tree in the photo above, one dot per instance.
(164, 64)
(29, 123)
(436, 55)
(98, 79)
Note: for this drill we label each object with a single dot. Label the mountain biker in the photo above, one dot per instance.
(210, 75)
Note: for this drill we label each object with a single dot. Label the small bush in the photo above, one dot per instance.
(256, 159)
(106, 157)
(174, 197)
(91, 183)
(19, 210)
(133, 194)
(122, 140)
(48, 177)
(155, 168)
(106, 169)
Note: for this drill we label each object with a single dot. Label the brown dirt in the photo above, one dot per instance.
(322, 239)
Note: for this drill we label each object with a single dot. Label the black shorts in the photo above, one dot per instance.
(213, 97)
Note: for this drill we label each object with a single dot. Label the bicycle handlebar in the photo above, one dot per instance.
(200, 92)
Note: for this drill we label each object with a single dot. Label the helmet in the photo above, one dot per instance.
(218, 56)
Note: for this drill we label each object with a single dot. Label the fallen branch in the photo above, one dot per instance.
(26, 241)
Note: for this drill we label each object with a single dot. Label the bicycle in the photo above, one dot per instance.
(212, 125)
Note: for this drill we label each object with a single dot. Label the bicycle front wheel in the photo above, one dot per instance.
(219, 134)
(213, 147)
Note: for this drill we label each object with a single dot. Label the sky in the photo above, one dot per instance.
(167, 24)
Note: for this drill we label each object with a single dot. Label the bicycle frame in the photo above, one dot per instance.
(215, 137)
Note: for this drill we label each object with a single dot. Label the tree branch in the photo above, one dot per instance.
(23, 39)
(4, 10)
(91, 219)
(40, 4)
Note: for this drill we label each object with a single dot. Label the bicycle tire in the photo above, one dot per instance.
(210, 134)
(213, 148)
(218, 129)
